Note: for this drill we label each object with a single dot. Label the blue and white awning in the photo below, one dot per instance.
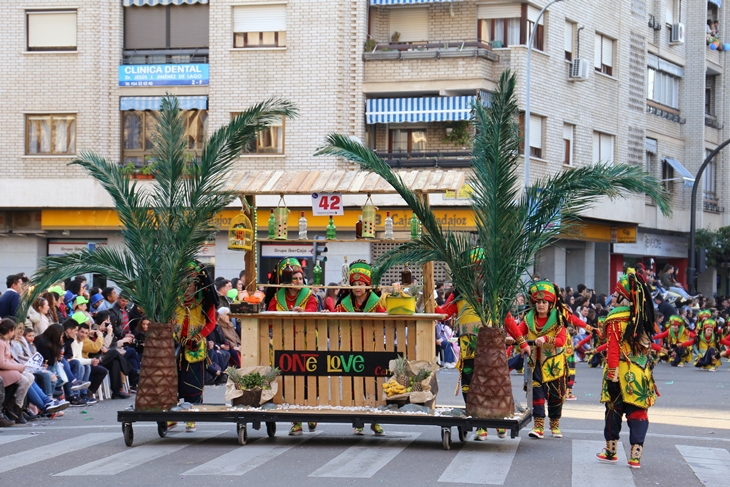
(154, 102)
(716, 2)
(152, 3)
(434, 109)
(689, 179)
(408, 2)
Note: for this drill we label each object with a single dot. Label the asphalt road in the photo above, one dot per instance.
(688, 445)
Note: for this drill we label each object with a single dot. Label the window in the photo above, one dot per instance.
(407, 140)
(602, 147)
(670, 7)
(500, 32)
(709, 98)
(603, 54)
(138, 130)
(166, 27)
(509, 25)
(651, 150)
(568, 134)
(410, 23)
(50, 134)
(667, 176)
(709, 180)
(535, 134)
(662, 88)
(51, 30)
(268, 141)
(539, 40)
(259, 26)
(569, 37)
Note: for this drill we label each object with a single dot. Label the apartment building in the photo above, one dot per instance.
(632, 82)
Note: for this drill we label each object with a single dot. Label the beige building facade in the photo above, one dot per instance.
(633, 82)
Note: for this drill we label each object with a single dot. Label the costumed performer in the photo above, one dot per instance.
(679, 340)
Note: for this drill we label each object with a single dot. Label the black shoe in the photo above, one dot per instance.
(77, 402)
(120, 395)
(90, 400)
(29, 416)
(14, 413)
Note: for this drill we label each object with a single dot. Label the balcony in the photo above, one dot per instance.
(165, 56)
(443, 159)
(432, 50)
(711, 121)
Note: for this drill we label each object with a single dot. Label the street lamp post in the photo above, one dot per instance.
(692, 269)
(527, 93)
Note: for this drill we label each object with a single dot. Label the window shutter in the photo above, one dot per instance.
(51, 29)
(596, 147)
(259, 18)
(597, 52)
(568, 37)
(145, 27)
(607, 54)
(535, 131)
(499, 11)
(189, 26)
(607, 148)
(532, 14)
(412, 23)
(669, 11)
(568, 132)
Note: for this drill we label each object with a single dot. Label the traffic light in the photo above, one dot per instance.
(701, 260)
(320, 251)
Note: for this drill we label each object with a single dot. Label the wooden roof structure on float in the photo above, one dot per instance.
(423, 181)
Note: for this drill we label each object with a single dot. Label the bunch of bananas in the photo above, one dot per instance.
(392, 388)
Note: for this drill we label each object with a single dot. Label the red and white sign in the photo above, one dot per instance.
(325, 204)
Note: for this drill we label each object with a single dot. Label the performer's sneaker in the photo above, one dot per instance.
(556, 432)
(537, 433)
(635, 462)
(296, 429)
(501, 433)
(171, 424)
(190, 427)
(607, 457)
(377, 429)
(358, 432)
(480, 435)
(712, 369)
(680, 364)
(570, 397)
(312, 426)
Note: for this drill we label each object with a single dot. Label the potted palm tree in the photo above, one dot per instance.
(513, 223)
(164, 225)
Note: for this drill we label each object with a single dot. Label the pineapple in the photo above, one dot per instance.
(401, 371)
(271, 375)
(422, 375)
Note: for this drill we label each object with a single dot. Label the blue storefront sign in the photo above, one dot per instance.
(163, 75)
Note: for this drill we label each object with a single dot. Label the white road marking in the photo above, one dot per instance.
(710, 465)
(364, 460)
(587, 470)
(11, 438)
(486, 462)
(246, 458)
(136, 456)
(53, 450)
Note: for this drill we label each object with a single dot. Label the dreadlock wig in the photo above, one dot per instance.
(641, 310)
(205, 292)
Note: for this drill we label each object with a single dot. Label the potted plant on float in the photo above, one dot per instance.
(163, 226)
(513, 223)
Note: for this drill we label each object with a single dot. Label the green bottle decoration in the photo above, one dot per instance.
(317, 274)
(415, 227)
(272, 225)
(331, 230)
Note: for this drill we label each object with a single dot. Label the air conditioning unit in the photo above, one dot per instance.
(579, 70)
(677, 34)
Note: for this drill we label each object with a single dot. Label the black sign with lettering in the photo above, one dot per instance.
(314, 363)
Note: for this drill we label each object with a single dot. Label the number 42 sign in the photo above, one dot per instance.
(325, 204)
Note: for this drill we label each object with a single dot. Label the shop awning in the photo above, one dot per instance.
(345, 182)
(408, 2)
(139, 3)
(433, 109)
(154, 102)
(689, 179)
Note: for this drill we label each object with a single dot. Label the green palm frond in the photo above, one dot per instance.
(512, 223)
(165, 224)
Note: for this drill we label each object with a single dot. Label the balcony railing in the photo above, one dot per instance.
(711, 121)
(713, 206)
(427, 159)
(431, 50)
(166, 56)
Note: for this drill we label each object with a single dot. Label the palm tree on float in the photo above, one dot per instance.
(512, 226)
(164, 225)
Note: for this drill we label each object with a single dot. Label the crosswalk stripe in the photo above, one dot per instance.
(482, 463)
(364, 460)
(46, 452)
(587, 470)
(710, 465)
(133, 457)
(9, 439)
(243, 460)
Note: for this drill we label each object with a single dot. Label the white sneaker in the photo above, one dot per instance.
(450, 365)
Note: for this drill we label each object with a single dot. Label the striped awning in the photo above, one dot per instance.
(154, 102)
(684, 174)
(140, 3)
(433, 109)
(408, 2)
